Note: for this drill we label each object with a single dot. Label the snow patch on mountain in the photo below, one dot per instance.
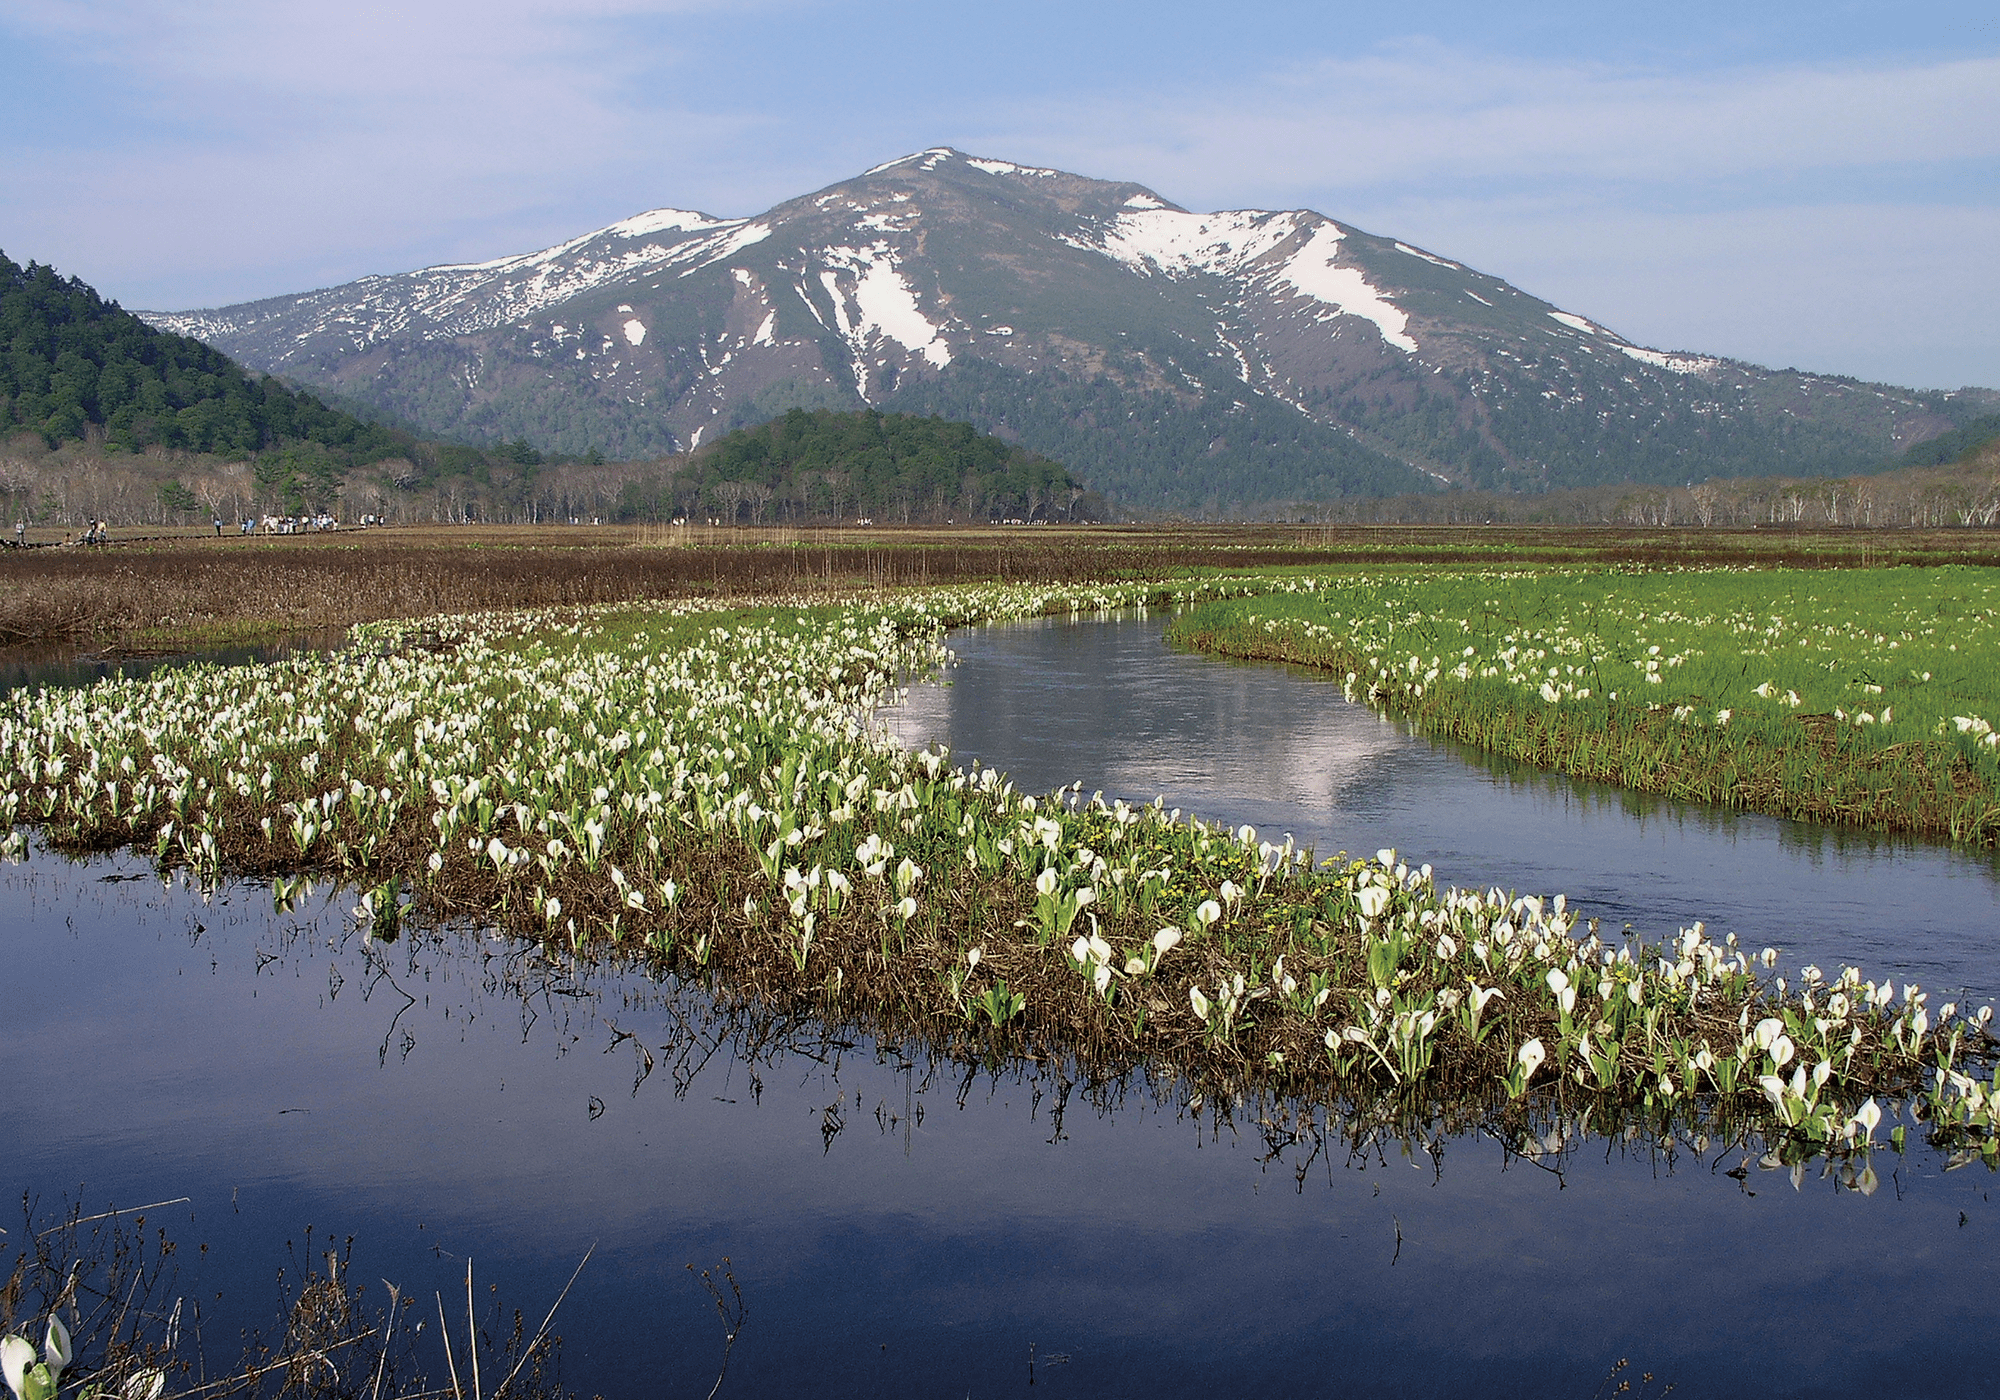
(661, 221)
(1576, 323)
(1313, 272)
(1242, 243)
(1676, 364)
(729, 244)
(464, 298)
(931, 155)
(1007, 167)
(880, 304)
(1429, 258)
(1178, 243)
(635, 332)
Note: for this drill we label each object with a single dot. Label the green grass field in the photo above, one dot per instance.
(1860, 697)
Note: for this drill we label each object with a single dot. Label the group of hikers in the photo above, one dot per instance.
(99, 531)
(287, 524)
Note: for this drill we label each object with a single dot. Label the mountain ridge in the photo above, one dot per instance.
(1176, 360)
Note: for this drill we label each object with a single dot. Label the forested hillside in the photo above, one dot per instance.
(888, 466)
(1961, 444)
(73, 361)
(1181, 454)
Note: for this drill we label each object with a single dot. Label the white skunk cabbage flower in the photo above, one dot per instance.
(17, 1354)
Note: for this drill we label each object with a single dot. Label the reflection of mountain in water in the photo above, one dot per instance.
(1107, 703)
(1090, 703)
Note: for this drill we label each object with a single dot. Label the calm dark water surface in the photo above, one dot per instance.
(900, 1233)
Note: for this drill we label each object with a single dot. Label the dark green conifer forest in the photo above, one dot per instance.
(898, 467)
(73, 365)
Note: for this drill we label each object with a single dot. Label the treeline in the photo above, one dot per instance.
(803, 467)
(1965, 493)
(829, 465)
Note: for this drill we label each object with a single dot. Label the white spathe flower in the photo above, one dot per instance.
(1164, 940)
(1045, 883)
(1372, 900)
(1195, 999)
(55, 1347)
(1208, 913)
(1531, 1056)
(17, 1354)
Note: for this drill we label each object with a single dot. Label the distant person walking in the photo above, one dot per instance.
(218, 527)
(20, 532)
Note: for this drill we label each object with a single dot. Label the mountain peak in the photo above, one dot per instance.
(1176, 359)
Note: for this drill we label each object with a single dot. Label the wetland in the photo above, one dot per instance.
(628, 926)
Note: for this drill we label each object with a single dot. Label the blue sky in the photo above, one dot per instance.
(1815, 185)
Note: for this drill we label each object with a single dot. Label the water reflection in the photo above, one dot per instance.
(66, 666)
(1108, 703)
(900, 1226)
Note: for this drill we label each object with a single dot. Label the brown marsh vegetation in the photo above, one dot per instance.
(168, 591)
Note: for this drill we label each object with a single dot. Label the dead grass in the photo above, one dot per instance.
(197, 590)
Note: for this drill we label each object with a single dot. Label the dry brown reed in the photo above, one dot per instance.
(177, 593)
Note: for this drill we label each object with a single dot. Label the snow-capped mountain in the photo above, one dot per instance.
(1174, 359)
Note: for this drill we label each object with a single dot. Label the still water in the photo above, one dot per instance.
(1108, 704)
(899, 1229)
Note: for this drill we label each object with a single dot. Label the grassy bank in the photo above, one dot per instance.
(698, 786)
(1859, 698)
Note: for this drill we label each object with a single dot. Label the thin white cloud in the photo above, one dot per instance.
(1425, 113)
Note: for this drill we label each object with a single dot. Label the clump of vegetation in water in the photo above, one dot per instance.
(1862, 698)
(706, 790)
(101, 1292)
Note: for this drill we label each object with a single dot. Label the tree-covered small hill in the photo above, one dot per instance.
(886, 466)
(71, 362)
